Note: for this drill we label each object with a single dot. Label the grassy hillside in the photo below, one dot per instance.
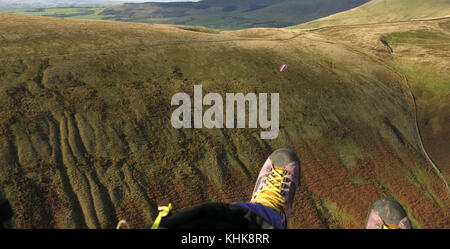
(86, 139)
(218, 14)
(378, 11)
(419, 50)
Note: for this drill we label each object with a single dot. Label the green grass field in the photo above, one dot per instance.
(79, 13)
(215, 19)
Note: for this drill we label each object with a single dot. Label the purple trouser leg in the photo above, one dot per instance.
(264, 212)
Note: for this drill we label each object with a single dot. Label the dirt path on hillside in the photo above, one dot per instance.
(419, 134)
(413, 100)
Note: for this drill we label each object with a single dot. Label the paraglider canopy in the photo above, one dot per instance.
(283, 67)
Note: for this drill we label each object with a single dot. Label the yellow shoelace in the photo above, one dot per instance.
(389, 226)
(270, 194)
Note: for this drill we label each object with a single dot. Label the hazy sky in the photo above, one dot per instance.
(167, 1)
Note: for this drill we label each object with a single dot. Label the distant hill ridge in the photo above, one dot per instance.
(230, 14)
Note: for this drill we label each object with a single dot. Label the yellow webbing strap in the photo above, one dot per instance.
(163, 212)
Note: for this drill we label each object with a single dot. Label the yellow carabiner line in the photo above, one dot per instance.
(163, 212)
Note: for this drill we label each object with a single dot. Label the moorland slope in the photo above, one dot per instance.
(86, 138)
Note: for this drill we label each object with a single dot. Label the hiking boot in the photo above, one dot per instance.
(277, 182)
(386, 213)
